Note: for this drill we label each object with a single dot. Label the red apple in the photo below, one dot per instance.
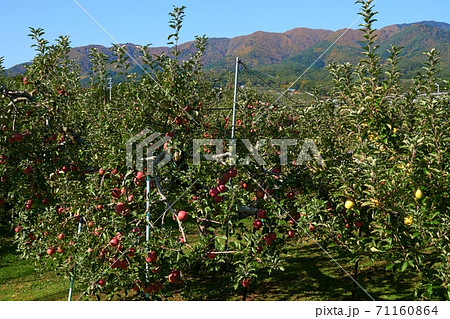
(232, 173)
(140, 175)
(137, 285)
(119, 235)
(116, 193)
(120, 208)
(51, 251)
(218, 199)
(211, 255)
(61, 236)
(114, 242)
(102, 282)
(65, 169)
(148, 289)
(28, 169)
(245, 282)
(29, 204)
(174, 276)
(260, 194)
(222, 188)
(18, 137)
(179, 120)
(18, 229)
(359, 223)
(276, 170)
(123, 264)
(156, 269)
(60, 210)
(115, 263)
(290, 195)
(151, 257)
(101, 171)
(261, 214)
(272, 235)
(213, 192)
(311, 227)
(291, 233)
(268, 240)
(245, 185)
(257, 224)
(182, 215)
(45, 201)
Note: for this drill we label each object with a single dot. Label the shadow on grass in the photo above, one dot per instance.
(311, 275)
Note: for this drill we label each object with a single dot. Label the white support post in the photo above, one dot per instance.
(147, 227)
(236, 78)
(72, 279)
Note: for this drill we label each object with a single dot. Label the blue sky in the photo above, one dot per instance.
(144, 22)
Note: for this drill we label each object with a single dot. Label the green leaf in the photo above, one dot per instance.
(404, 266)
(389, 266)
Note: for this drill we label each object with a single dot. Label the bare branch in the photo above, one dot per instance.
(208, 220)
(224, 252)
(168, 205)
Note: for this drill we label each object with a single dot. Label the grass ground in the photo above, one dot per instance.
(309, 275)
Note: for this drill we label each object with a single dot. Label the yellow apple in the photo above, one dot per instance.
(349, 204)
(408, 221)
(418, 194)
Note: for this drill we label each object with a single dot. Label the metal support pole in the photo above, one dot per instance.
(110, 88)
(233, 127)
(147, 227)
(73, 277)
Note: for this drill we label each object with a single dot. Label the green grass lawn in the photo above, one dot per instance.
(309, 275)
(20, 281)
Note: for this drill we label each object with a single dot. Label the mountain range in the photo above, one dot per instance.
(286, 55)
